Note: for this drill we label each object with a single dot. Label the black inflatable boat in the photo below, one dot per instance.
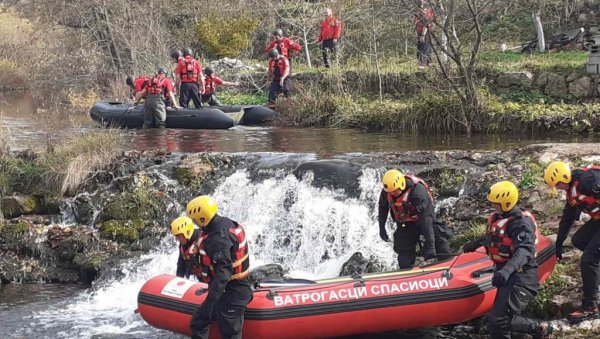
(119, 114)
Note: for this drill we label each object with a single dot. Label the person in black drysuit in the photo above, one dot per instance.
(583, 195)
(510, 242)
(418, 218)
(226, 249)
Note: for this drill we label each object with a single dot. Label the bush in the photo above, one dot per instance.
(223, 36)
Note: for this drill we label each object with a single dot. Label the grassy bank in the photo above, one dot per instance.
(61, 169)
(403, 98)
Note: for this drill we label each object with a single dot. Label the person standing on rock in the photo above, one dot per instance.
(408, 200)
(211, 81)
(224, 265)
(158, 88)
(510, 241)
(279, 71)
(190, 81)
(329, 35)
(583, 195)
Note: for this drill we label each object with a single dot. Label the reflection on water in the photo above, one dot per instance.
(29, 126)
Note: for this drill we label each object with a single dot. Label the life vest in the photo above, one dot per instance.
(589, 204)
(278, 67)
(501, 249)
(189, 71)
(140, 83)
(401, 208)
(191, 254)
(241, 260)
(283, 50)
(157, 84)
(210, 84)
(424, 19)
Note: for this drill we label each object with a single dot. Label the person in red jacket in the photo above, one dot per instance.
(190, 81)
(285, 46)
(423, 23)
(158, 88)
(136, 85)
(279, 71)
(211, 81)
(331, 29)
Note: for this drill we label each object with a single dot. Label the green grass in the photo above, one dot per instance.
(561, 62)
(238, 98)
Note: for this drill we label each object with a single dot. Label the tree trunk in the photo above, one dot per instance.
(306, 51)
(540, 32)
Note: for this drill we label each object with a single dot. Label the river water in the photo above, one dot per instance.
(333, 226)
(29, 124)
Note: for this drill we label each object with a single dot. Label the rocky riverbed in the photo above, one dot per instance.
(121, 212)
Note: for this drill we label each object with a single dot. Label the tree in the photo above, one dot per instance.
(304, 17)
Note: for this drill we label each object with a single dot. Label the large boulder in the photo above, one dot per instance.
(358, 265)
(556, 86)
(514, 79)
(541, 80)
(332, 173)
(17, 205)
(580, 88)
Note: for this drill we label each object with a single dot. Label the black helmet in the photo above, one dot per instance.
(278, 31)
(129, 80)
(175, 54)
(209, 70)
(273, 53)
(187, 51)
(161, 70)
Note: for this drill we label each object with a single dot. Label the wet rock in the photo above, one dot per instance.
(334, 174)
(17, 205)
(267, 272)
(90, 264)
(358, 265)
(126, 231)
(14, 232)
(444, 182)
(194, 170)
(83, 209)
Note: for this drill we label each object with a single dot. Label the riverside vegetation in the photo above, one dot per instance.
(85, 53)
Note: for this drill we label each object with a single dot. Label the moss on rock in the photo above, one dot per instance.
(14, 232)
(194, 170)
(127, 231)
(14, 206)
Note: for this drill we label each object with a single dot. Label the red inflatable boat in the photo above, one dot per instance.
(446, 293)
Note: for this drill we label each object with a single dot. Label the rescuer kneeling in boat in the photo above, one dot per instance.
(222, 262)
(583, 195)
(510, 241)
(408, 199)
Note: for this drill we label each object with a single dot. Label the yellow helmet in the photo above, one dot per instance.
(183, 225)
(556, 172)
(504, 193)
(393, 180)
(202, 209)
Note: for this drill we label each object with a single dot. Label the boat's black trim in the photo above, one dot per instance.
(342, 306)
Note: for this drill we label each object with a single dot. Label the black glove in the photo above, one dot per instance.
(471, 246)
(500, 278)
(559, 251)
(429, 253)
(383, 235)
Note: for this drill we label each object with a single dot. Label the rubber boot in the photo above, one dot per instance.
(585, 313)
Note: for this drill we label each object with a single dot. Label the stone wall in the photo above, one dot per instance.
(571, 86)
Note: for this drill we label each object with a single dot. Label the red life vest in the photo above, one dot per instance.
(157, 84)
(401, 208)
(189, 71)
(589, 204)
(501, 248)
(210, 84)
(191, 253)
(140, 83)
(241, 260)
(278, 67)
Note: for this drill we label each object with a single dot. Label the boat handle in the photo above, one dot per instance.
(481, 272)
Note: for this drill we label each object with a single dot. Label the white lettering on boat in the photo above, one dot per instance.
(373, 290)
